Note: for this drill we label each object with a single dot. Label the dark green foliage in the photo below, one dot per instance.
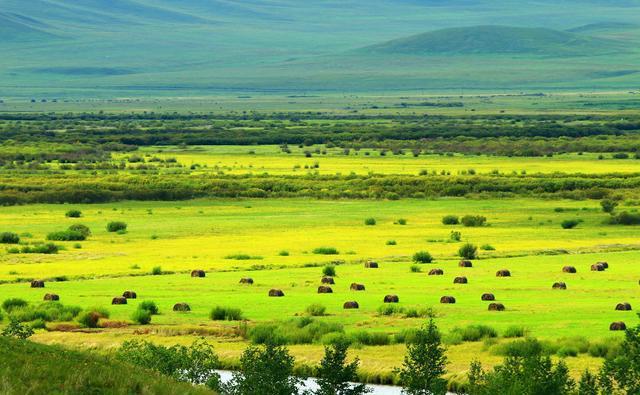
(329, 270)
(13, 303)
(569, 223)
(401, 221)
(17, 330)
(156, 271)
(264, 370)
(588, 384)
(626, 218)
(526, 372)
(9, 238)
(468, 251)
(42, 248)
(220, 313)
(194, 364)
(391, 243)
(473, 220)
(325, 251)
(425, 363)
(422, 257)
(141, 316)
(608, 205)
(150, 306)
(370, 221)
(621, 373)
(450, 220)
(455, 236)
(73, 214)
(66, 235)
(335, 375)
(116, 226)
(82, 229)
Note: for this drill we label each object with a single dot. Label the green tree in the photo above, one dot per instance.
(588, 384)
(334, 374)
(17, 330)
(264, 370)
(621, 373)
(425, 363)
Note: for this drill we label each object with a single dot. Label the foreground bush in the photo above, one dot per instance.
(336, 376)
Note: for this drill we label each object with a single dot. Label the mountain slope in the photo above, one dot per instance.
(494, 40)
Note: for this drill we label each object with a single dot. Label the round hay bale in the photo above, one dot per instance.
(460, 280)
(37, 284)
(617, 326)
(391, 299)
(436, 272)
(357, 287)
(559, 285)
(623, 306)
(119, 300)
(328, 280)
(496, 307)
(181, 307)
(323, 289)
(51, 297)
(447, 300)
(246, 280)
(569, 269)
(371, 265)
(351, 305)
(129, 295)
(488, 297)
(503, 273)
(465, 263)
(276, 293)
(198, 273)
(604, 264)
(597, 268)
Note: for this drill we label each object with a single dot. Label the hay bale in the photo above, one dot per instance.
(129, 295)
(597, 268)
(559, 285)
(503, 273)
(391, 299)
(465, 263)
(569, 269)
(488, 297)
(617, 326)
(436, 272)
(323, 289)
(51, 297)
(447, 300)
(496, 307)
(276, 293)
(604, 264)
(357, 287)
(371, 265)
(351, 305)
(181, 307)
(328, 280)
(460, 280)
(198, 273)
(246, 280)
(119, 300)
(37, 284)
(623, 306)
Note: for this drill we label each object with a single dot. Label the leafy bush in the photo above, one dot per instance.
(17, 330)
(66, 235)
(415, 269)
(329, 270)
(401, 221)
(455, 236)
(569, 223)
(608, 205)
(43, 248)
(13, 303)
(325, 251)
(391, 242)
(473, 220)
(450, 220)
(626, 218)
(9, 238)
(370, 338)
(141, 316)
(422, 257)
(82, 229)
(316, 310)
(73, 214)
(156, 271)
(283, 253)
(149, 306)
(220, 313)
(116, 226)
(468, 251)
(370, 221)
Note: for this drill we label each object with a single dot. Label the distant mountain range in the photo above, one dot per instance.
(181, 47)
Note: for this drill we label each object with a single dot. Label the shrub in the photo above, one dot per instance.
(13, 303)
(415, 313)
(66, 235)
(391, 242)
(473, 220)
(468, 251)
(82, 229)
(220, 313)
(325, 251)
(370, 221)
(38, 324)
(608, 205)
(17, 330)
(116, 226)
(335, 376)
(316, 310)
(455, 236)
(390, 309)
(283, 253)
(450, 220)
(487, 247)
(73, 214)
(149, 306)
(141, 316)
(156, 271)
(569, 223)
(626, 218)
(9, 238)
(514, 331)
(329, 270)
(422, 257)
(415, 269)
(43, 248)
(401, 221)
